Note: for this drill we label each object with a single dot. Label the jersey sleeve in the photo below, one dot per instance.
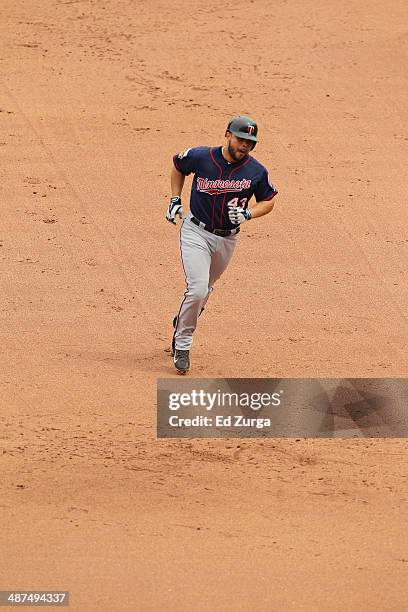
(265, 190)
(187, 162)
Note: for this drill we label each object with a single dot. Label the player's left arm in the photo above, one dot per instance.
(238, 214)
(265, 193)
(259, 209)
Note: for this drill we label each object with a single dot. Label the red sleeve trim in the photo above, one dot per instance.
(269, 198)
(177, 166)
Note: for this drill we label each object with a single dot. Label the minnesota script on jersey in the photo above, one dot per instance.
(218, 183)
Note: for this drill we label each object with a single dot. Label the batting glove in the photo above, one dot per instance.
(174, 210)
(238, 215)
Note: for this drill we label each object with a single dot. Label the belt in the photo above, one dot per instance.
(216, 232)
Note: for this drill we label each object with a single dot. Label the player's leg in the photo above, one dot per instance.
(196, 259)
(210, 290)
(221, 257)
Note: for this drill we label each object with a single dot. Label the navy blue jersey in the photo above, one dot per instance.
(218, 182)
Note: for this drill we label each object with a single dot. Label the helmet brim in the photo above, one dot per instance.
(244, 135)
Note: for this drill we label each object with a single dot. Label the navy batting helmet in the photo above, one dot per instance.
(243, 127)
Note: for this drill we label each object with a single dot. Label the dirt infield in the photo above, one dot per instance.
(95, 97)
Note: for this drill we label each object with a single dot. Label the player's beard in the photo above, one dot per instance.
(233, 153)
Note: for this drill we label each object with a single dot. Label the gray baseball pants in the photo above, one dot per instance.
(205, 256)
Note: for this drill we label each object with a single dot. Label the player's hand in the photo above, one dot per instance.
(174, 210)
(238, 215)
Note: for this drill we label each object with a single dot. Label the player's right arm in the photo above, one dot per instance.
(183, 164)
(177, 182)
(175, 209)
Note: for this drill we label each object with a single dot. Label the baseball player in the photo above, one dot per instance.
(225, 179)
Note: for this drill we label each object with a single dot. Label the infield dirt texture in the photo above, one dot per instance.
(95, 97)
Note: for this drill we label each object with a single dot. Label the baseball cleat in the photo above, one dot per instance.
(181, 361)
